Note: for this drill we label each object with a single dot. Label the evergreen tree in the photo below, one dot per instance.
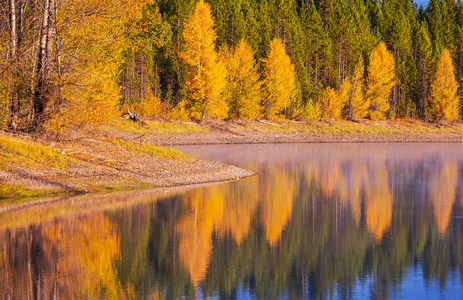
(424, 56)
(318, 59)
(397, 31)
(172, 73)
(441, 20)
(444, 101)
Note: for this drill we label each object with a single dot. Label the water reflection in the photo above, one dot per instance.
(318, 221)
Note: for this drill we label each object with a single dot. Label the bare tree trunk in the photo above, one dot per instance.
(13, 99)
(39, 97)
(58, 60)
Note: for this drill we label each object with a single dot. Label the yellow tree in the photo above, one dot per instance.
(380, 81)
(207, 74)
(243, 84)
(279, 80)
(444, 100)
(358, 103)
(331, 103)
(88, 52)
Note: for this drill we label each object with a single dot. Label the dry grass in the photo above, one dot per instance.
(389, 127)
(156, 151)
(15, 151)
(155, 127)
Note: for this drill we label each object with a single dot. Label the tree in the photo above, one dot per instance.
(243, 82)
(358, 103)
(397, 32)
(380, 81)
(146, 32)
(444, 101)
(318, 53)
(332, 103)
(206, 74)
(423, 48)
(279, 80)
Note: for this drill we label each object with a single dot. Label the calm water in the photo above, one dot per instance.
(355, 221)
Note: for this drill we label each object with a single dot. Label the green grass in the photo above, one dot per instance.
(156, 151)
(14, 191)
(33, 155)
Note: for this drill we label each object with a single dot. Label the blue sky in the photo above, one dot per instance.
(422, 2)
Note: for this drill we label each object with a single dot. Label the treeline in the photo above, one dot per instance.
(84, 62)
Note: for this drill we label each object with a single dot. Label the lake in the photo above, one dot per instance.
(340, 221)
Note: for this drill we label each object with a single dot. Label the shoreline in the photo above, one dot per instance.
(109, 159)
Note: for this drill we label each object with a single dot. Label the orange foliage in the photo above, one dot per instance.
(358, 178)
(240, 207)
(204, 212)
(88, 250)
(378, 204)
(330, 178)
(444, 100)
(277, 205)
(442, 194)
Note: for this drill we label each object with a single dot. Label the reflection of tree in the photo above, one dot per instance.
(330, 177)
(204, 212)
(378, 204)
(240, 207)
(442, 190)
(62, 260)
(357, 180)
(277, 203)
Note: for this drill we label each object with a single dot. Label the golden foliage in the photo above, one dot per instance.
(444, 101)
(279, 80)
(442, 192)
(330, 178)
(358, 178)
(332, 103)
(204, 212)
(88, 251)
(380, 81)
(378, 204)
(88, 85)
(311, 111)
(207, 74)
(358, 103)
(150, 106)
(244, 87)
(179, 112)
(276, 206)
(240, 207)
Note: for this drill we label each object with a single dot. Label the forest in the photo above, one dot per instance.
(85, 62)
